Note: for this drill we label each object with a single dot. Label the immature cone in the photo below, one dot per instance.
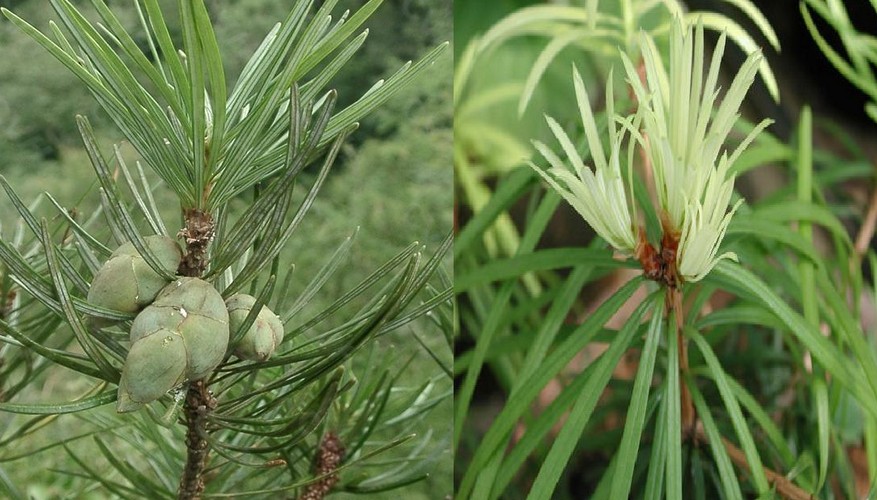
(263, 336)
(155, 365)
(181, 336)
(126, 283)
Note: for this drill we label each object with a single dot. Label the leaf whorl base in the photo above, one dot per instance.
(328, 461)
(199, 404)
(198, 233)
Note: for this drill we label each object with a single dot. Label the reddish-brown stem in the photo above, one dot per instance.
(783, 486)
(660, 265)
(689, 415)
(866, 232)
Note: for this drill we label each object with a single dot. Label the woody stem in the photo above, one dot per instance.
(199, 404)
(785, 487)
(198, 232)
(687, 405)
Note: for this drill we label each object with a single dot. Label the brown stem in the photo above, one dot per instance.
(689, 415)
(866, 232)
(328, 461)
(199, 404)
(785, 487)
(198, 232)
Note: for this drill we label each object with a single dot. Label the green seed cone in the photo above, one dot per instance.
(263, 336)
(126, 283)
(155, 364)
(114, 286)
(165, 249)
(193, 309)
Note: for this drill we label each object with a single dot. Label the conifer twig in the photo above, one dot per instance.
(689, 415)
(199, 402)
(783, 485)
(866, 232)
